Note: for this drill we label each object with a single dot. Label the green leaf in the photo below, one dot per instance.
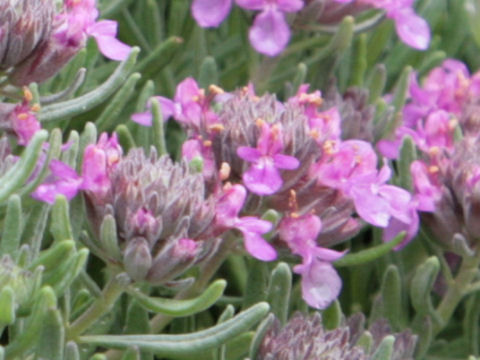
(52, 257)
(391, 291)
(25, 340)
(71, 351)
(131, 354)
(12, 228)
(185, 344)
(408, 154)
(208, 74)
(60, 226)
(7, 306)
(259, 335)
(158, 128)
(115, 106)
(385, 349)
(109, 239)
(160, 57)
(370, 254)
(79, 105)
(64, 280)
(332, 316)
(125, 138)
(52, 337)
(401, 89)
(422, 284)
(377, 82)
(19, 173)
(279, 290)
(174, 307)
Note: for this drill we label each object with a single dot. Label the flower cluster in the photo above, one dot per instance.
(305, 338)
(442, 121)
(291, 158)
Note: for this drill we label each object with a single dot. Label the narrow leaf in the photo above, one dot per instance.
(371, 254)
(176, 307)
(185, 345)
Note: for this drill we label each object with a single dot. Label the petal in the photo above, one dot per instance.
(104, 33)
(248, 154)
(263, 178)
(252, 4)
(252, 228)
(285, 162)
(412, 29)
(269, 34)
(143, 118)
(210, 13)
(320, 284)
(289, 5)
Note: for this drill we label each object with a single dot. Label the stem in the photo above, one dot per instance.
(456, 291)
(101, 306)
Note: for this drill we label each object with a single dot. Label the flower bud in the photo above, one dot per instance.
(25, 26)
(305, 338)
(162, 212)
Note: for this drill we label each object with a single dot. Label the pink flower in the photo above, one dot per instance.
(24, 123)
(189, 106)
(228, 207)
(270, 33)
(320, 282)
(79, 22)
(263, 177)
(98, 161)
(63, 180)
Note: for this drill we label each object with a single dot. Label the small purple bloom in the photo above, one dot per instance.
(98, 161)
(63, 180)
(320, 282)
(270, 33)
(228, 207)
(263, 177)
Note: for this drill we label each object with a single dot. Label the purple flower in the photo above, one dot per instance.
(320, 282)
(63, 180)
(210, 13)
(190, 106)
(98, 162)
(270, 32)
(263, 177)
(227, 209)
(80, 22)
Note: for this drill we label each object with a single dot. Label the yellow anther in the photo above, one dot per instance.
(216, 127)
(22, 116)
(224, 172)
(214, 89)
(27, 94)
(207, 143)
(433, 169)
(35, 107)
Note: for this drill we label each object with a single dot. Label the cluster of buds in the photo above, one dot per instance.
(305, 338)
(291, 158)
